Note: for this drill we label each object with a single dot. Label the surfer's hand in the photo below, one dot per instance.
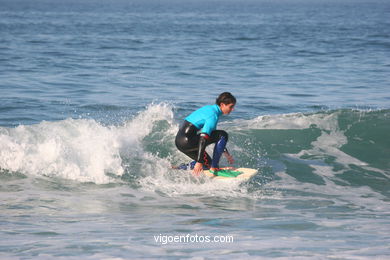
(198, 168)
(229, 158)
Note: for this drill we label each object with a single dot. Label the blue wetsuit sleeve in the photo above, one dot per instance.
(210, 125)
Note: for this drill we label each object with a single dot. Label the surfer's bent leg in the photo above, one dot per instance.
(187, 141)
(220, 138)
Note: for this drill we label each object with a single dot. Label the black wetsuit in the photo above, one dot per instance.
(193, 144)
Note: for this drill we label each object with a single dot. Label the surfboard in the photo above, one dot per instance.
(229, 174)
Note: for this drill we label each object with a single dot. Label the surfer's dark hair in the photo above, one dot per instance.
(226, 98)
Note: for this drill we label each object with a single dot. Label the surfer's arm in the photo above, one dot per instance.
(202, 147)
(208, 127)
(228, 156)
(200, 160)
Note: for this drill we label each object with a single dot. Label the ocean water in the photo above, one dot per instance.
(92, 94)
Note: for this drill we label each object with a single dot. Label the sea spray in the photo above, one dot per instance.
(81, 150)
(77, 149)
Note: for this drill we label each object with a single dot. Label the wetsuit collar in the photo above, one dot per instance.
(218, 109)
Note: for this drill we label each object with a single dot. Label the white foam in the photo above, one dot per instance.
(185, 184)
(74, 149)
(288, 121)
(82, 150)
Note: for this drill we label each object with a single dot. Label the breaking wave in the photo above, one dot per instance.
(329, 149)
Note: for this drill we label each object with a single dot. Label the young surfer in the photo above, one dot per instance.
(199, 131)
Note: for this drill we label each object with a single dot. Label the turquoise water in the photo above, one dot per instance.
(92, 95)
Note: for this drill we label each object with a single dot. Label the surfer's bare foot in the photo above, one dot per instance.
(214, 171)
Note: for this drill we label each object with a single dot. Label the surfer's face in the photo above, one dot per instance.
(227, 108)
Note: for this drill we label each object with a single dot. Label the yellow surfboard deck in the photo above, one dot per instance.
(246, 174)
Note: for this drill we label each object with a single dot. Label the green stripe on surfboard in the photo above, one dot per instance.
(243, 174)
(227, 173)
